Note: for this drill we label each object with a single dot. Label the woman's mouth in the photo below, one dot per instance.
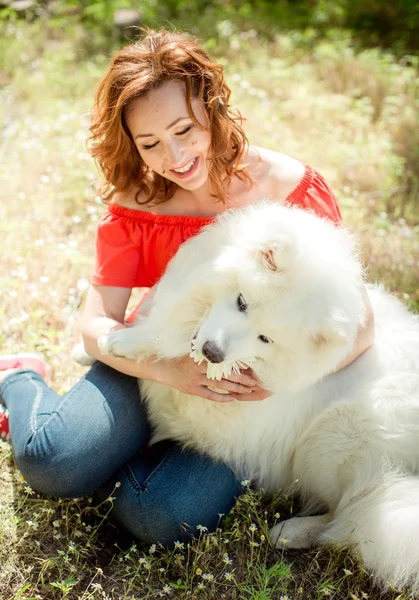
(187, 169)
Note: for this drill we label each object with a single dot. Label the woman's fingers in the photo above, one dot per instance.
(232, 386)
(257, 394)
(242, 378)
(208, 394)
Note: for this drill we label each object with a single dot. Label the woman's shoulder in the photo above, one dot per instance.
(132, 199)
(277, 173)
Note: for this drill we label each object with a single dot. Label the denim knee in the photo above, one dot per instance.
(55, 471)
(164, 493)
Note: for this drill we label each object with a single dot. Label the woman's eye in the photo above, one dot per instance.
(188, 128)
(241, 303)
(183, 132)
(264, 339)
(149, 146)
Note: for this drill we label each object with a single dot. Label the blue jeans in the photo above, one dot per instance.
(97, 435)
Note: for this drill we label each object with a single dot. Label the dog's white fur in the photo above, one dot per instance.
(347, 442)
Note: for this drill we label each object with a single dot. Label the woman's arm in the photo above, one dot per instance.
(105, 311)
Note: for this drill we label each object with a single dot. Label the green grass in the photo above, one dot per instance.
(348, 114)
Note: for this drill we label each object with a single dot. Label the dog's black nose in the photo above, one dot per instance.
(212, 353)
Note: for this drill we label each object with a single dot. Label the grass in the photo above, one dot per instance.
(349, 114)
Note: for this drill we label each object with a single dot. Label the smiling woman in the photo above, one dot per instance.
(179, 146)
(173, 156)
(132, 116)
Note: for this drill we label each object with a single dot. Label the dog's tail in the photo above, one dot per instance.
(382, 521)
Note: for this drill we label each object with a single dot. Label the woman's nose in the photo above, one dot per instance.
(173, 153)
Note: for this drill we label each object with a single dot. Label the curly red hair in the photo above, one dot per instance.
(134, 71)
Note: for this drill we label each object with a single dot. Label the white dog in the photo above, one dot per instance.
(281, 289)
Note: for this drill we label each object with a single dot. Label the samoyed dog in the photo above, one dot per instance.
(280, 289)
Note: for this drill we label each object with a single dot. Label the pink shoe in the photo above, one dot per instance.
(18, 361)
(23, 361)
(4, 424)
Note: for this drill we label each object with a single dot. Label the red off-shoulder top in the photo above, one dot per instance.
(133, 247)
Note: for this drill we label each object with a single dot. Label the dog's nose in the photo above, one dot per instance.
(212, 352)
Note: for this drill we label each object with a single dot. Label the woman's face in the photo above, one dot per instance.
(168, 140)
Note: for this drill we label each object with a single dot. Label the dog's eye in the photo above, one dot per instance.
(264, 339)
(241, 303)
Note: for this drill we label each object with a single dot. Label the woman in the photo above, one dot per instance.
(173, 156)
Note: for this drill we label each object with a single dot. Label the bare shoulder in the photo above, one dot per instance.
(128, 199)
(280, 173)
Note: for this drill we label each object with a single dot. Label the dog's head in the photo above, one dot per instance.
(286, 291)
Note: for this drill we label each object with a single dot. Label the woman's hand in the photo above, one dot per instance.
(188, 377)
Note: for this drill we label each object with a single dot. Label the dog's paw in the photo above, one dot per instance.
(123, 343)
(104, 344)
(110, 344)
(298, 533)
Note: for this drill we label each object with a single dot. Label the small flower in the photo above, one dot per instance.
(200, 586)
(118, 484)
(78, 533)
(198, 571)
(56, 523)
(167, 589)
(254, 544)
(226, 541)
(179, 558)
(97, 587)
(227, 560)
(252, 527)
(364, 595)
(202, 528)
(284, 598)
(229, 576)
(88, 528)
(208, 576)
(179, 545)
(277, 515)
(152, 549)
(347, 572)
(142, 561)
(245, 483)
(99, 571)
(147, 565)
(283, 541)
(33, 524)
(262, 538)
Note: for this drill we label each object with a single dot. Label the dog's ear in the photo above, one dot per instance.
(267, 258)
(275, 256)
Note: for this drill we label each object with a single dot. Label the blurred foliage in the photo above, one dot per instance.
(372, 22)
